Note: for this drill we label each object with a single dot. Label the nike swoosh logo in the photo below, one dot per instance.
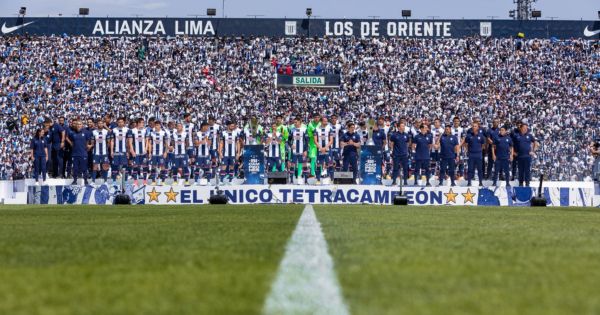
(6, 30)
(589, 33)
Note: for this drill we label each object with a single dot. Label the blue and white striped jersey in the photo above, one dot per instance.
(138, 140)
(298, 140)
(119, 137)
(158, 139)
(179, 142)
(230, 140)
(273, 147)
(203, 150)
(100, 141)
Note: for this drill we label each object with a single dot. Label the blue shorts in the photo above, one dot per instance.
(100, 159)
(213, 153)
(323, 158)
(335, 154)
(297, 158)
(120, 159)
(179, 161)
(139, 160)
(203, 161)
(157, 161)
(228, 160)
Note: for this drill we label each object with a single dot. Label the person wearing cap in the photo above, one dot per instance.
(449, 149)
(525, 147)
(502, 154)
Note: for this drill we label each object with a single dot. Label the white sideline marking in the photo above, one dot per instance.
(306, 282)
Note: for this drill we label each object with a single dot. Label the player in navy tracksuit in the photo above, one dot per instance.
(474, 142)
(350, 144)
(502, 153)
(400, 141)
(422, 144)
(525, 145)
(449, 151)
(80, 143)
(491, 134)
(39, 154)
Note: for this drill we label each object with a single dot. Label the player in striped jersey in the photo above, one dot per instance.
(436, 132)
(324, 139)
(214, 130)
(190, 128)
(137, 151)
(179, 164)
(169, 130)
(157, 151)
(118, 148)
(229, 150)
(203, 161)
(299, 145)
(273, 147)
(336, 133)
(100, 153)
(458, 131)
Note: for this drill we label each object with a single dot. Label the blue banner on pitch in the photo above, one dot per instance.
(370, 165)
(254, 164)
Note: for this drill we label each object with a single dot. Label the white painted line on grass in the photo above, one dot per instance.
(306, 282)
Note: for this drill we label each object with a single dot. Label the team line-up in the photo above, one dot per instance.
(188, 152)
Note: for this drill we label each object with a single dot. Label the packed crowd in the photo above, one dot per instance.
(547, 83)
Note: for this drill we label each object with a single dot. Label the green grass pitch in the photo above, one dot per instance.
(223, 259)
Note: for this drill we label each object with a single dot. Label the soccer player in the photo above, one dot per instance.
(273, 146)
(436, 132)
(229, 150)
(324, 139)
(137, 151)
(298, 139)
(525, 145)
(180, 157)
(458, 131)
(214, 131)
(422, 144)
(502, 154)
(399, 143)
(100, 141)
(351, 142)
(474, 142)
(118, 148)
(189, 127)
(80, 144)
(285, 133)
(203, 160)
(312, 146)
(449, 148)
(157, 152)
(336, 133)
(39, 155)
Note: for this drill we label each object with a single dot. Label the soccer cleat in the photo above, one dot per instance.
(186, 183)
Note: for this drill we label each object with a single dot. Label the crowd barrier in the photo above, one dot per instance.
(563, 196)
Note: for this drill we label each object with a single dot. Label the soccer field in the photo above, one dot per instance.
(236, 259)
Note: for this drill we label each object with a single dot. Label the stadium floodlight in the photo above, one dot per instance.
(599, 14)
(308, 12)
(406, 13)
(211, 11)
(22, 10)
(84, 11)
(536, 14)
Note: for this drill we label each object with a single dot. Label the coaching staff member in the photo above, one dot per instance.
(525, 147)
(80, 141)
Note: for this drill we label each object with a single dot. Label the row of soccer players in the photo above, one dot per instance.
(150, 150)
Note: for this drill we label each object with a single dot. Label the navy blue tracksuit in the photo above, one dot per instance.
(79, 153)
(502, 145)
(475, 144)
(39, 146)
(399, 143)
(523, 145)
(422, 154)
(350, 153)
(448, 145)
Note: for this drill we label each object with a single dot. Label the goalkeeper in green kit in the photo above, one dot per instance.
(312, 146)
(283, 130)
